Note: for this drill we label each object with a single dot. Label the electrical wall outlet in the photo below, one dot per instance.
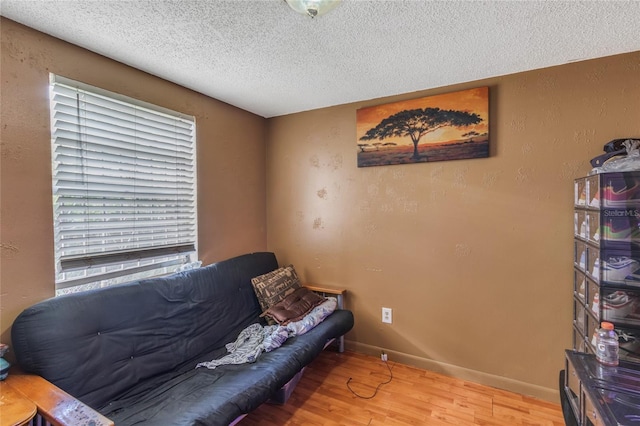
(386, 315)
(383, 356)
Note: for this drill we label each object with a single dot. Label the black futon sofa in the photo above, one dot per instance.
(130, 351)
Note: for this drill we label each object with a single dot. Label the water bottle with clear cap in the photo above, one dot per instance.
(607, 344)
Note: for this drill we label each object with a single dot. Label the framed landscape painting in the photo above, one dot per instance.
(451, 126)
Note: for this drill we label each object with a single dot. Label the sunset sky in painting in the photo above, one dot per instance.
(472, 100)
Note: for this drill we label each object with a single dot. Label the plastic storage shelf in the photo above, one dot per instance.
(607, 260)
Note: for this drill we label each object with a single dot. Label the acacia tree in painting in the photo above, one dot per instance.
(471, 135)
(362, 146)
(416, 123)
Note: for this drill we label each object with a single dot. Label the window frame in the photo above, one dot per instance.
(97, 267)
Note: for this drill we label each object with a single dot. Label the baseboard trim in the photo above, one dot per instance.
(463, 373)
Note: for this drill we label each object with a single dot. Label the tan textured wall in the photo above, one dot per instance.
(473, 256)
(230, 155)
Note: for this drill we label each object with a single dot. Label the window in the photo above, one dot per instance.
(124, 190)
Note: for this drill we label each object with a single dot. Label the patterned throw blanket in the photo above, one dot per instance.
(255, 339)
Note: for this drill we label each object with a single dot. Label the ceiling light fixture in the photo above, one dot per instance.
(312, 8)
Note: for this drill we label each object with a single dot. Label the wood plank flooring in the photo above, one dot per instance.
(413, 397)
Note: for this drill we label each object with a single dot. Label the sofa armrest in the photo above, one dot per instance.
(55, 405)
(338, 293)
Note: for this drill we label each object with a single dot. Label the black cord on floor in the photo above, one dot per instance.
(377, 387)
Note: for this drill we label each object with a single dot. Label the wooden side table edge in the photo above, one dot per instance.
(15, 408)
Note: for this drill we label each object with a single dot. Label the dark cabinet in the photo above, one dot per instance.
(597, 395)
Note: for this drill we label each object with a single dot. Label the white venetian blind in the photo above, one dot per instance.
(123, 184)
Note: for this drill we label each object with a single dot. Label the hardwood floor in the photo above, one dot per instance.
(413, 397)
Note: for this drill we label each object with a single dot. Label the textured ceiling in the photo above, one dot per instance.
(265, 58)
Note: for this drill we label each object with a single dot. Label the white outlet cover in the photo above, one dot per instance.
(387, 316)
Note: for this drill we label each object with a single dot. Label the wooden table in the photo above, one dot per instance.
(15, 408)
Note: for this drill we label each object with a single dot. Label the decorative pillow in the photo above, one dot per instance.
(294, 306)
(274, 286)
